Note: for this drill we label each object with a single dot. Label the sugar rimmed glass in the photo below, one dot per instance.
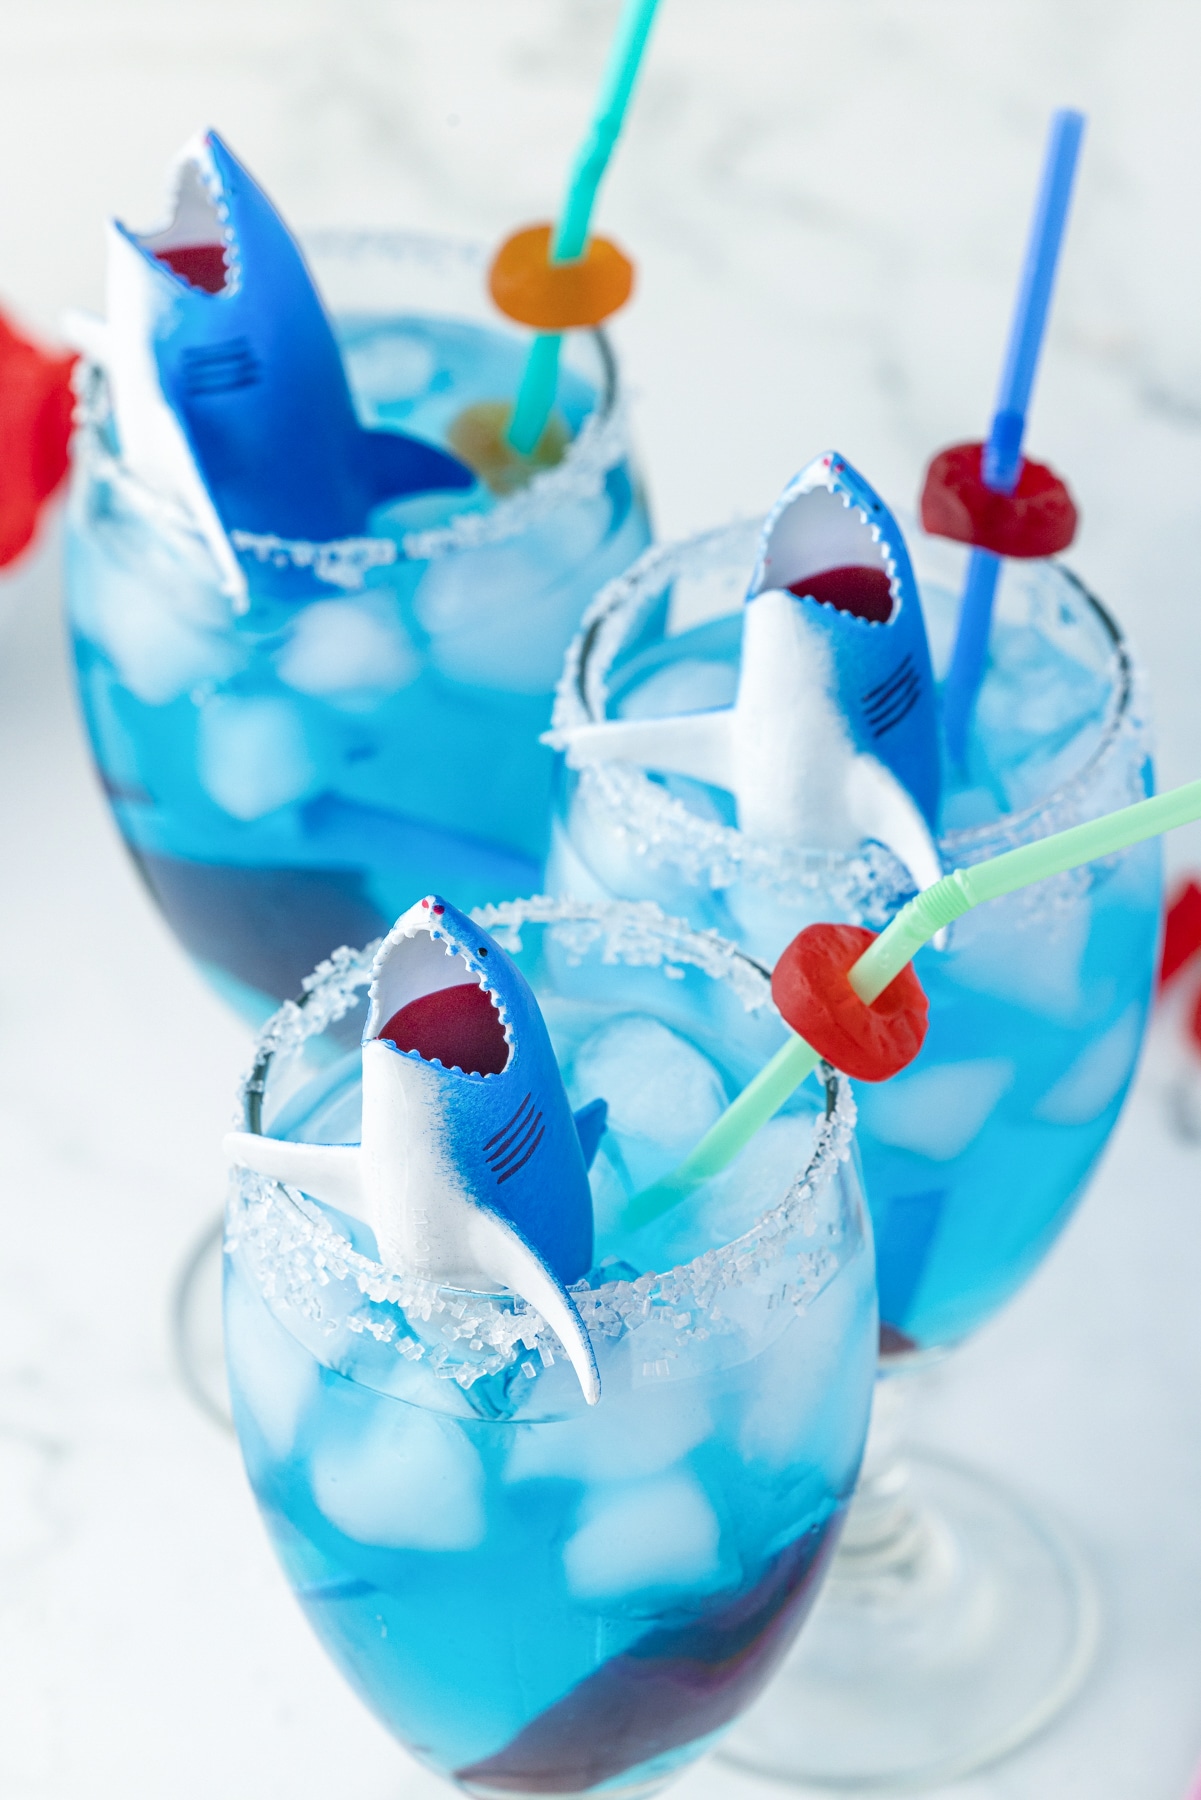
(973, 1159)
(287, 778)
(534, 1596)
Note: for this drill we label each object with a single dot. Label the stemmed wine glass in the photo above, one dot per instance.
(537, 1596)
(956, 1621)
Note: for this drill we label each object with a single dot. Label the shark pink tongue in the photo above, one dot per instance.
(865, 592)
(457, 1026)
(201, 265)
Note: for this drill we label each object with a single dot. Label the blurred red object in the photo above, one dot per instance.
(36, 404)
(1038, 519)
(1182, 931)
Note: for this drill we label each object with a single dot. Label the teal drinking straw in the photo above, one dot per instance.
(896, 945)
(536, 395)
(1003, 451)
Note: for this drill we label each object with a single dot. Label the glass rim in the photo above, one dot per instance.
(600, 444)
(582, 691)
(329, 992)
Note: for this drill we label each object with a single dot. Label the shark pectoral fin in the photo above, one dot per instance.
(393, 464)
(507, 1259)
(696, 744)
(881, 808)
(329, 1172)
(590, 1124)
(85, 332)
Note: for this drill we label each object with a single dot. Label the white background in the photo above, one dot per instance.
(827, 205)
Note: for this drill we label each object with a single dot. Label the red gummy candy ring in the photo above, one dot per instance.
(811, 989)
(1039, 518)
(36, 404)
(551, 296)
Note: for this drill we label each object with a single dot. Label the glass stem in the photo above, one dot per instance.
(885, 1535)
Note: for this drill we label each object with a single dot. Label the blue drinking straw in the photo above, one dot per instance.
(536, 395)
(1002, 462)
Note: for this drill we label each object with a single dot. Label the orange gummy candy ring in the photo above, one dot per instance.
(550, 296)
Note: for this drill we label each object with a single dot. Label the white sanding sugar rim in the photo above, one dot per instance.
(868, 883)
(298, 1253)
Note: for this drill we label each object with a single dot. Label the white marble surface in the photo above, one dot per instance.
(827, 205)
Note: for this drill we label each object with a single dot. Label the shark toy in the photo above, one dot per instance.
(833, 736)
(472, 1171)
(227, 385)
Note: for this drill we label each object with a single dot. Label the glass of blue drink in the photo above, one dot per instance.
(973, 1158)
(286, 777)
(536, 1596)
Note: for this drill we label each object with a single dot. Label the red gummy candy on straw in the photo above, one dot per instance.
(36, 404)
(1181, 932)
(810, 986)
(1039, 518)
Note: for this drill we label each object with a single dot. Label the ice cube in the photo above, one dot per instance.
(389, 366)
(252, 754)
(630, 1436)
(935, 1112)
(273, 1376)
(759, 1178)
(808, 1407)
(409, 1480)
(348, 652)
(1040, 711)
(663, 1094)
(693, 684)
(1029, 957)
(1097, 1076)
(163, 637)
(502, 615)
(654, 1534)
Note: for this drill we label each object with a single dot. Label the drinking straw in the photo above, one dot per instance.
(888, 954)
(1002, 459)
(536, 395)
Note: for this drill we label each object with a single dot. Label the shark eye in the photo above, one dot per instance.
(456, 1026)
(865, 592)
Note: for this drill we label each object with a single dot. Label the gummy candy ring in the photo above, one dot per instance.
(558, 296)
(811, 987)
(1037, 519)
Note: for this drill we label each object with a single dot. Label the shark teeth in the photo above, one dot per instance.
(876, 531)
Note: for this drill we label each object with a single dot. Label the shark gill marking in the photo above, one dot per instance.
(512, 1146)
(220, 368)
(893, 699)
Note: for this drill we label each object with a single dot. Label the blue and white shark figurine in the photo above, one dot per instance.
(227, 385)
(472, 1171)
(833, 735)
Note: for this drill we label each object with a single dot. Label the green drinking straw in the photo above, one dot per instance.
(536, 395)
(896, 945)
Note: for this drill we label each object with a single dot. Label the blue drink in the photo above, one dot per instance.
(288, 778)
(535, 1596)
(974, 1157)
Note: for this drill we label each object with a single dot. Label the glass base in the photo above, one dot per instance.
(196, 1334)
(955, 1625)
(634, 1790)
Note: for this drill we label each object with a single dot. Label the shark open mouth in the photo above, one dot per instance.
(824, 547)
(196, 242)
(867, 593)
(458, 1027)
(440, 1008)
